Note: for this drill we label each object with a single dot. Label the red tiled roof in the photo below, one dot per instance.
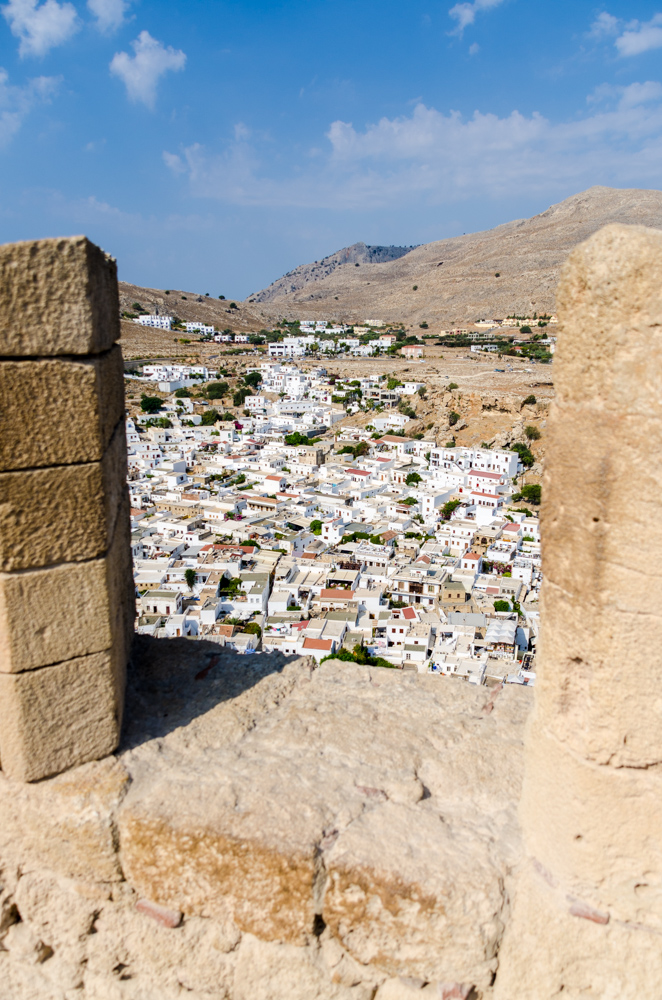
(317, 643)
(408, 613)
(344, 595)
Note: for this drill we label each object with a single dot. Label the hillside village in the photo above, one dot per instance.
(276, 528)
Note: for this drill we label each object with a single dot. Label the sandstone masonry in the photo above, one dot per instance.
(66, 589)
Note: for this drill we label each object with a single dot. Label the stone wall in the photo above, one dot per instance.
(66, 588)
(269, 830)
(587, 919)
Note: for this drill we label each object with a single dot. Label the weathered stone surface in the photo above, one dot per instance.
(57, 296)
(268, 971)
(55, 614)
(59, 412)
(63, 514)
(600, 554)
(260, 797)
(58, 716)
(548, 953)
(601, 838)
(64, 824)
(588, 902)
(331, 804)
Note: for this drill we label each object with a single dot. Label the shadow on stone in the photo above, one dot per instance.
(172, 682)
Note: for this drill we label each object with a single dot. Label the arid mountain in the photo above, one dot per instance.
(305, 274)
(513, 268)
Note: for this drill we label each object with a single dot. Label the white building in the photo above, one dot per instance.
(161, 322)
(197, 327)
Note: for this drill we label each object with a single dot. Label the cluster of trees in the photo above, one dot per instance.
(359, 655)
(355, 450)
(150, 404)
(297, 438)
(525, 454)
(532, 493)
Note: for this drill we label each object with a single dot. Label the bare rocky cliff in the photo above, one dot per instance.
(306, 274)
(513, 268)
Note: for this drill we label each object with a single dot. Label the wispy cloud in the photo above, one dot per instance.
(640, 37)
(465, 13)
(109, 13)
(432, 158)
(17, 102)
(40, 27)
(604, 26)
(141, 72)
(631, 38)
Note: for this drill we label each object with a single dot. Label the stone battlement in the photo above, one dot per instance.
(267, 829)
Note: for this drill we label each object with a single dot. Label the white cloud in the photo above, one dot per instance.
(474, 49)
(40, 27)
(109, 13)
(640, 37)
(432, 158)
(465, 13)
(627, 97)
(141, 73)
(17, 102)
(604, 26)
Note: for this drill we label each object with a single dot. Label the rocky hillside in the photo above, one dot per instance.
(306, 274)
(513, 268)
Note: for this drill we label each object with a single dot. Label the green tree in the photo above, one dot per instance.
(452, 385)
(393, 383)
(253, 629)
(501, 606)
(209, 417)
(189, 576)
(529, 401)
(525, 455)
(150, 404)
(532, 492)
(453, 418)
(316, 527)
(448, 509)
(253, 379)
(217, 390)
(532, 432)
(412, 479)
(182, 393)
(240, 395)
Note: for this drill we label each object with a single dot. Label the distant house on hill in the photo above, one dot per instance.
(412, 351)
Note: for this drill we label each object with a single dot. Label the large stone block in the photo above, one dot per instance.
(57, 296)
(600, 546)
(62, 514)
(554, 948)
(62, 612)
(415, 896)
(59, 412)
(59, 716)
(65, 823)
(595, 829)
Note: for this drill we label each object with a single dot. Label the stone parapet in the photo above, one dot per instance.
(277, 829)
(66, 586)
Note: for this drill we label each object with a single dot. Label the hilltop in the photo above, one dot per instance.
(298, 279)
(513, 268)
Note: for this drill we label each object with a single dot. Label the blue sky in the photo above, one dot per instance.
(215, 145)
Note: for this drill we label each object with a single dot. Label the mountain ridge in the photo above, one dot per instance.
(513, 268)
